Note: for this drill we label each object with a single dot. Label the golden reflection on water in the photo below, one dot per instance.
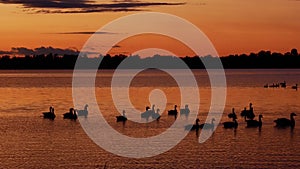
(29, 141)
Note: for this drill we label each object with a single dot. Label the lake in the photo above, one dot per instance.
(29, 141)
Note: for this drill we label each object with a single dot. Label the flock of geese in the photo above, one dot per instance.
(249, 119)
(72, 114)
(248, 116)
(278, 85)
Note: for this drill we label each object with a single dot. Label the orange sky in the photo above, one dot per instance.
(233, 26)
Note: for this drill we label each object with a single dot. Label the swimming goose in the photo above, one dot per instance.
(49, 115)
(232, 114)
(173, 112)
(83, 112)
(122, 118)
(255, 123)
(208, 125)
(193, 126)
(71, 114)
(295, 87)
(156, 115)
(284, 122)
(149, 112)
(185, 111)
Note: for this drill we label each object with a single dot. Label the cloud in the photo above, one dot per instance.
(39, 51)
(84, 33)
(83, 6)
(2, 52)
(116, 46)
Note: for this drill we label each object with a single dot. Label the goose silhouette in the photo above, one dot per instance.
(248, 114)
(185, 111)
(284, 122)
(156, 115)
(231, 124)
(192, 127)
(208, 125)
(71, 114)
(295, 87)
(255, 123)
(122, 118)
(148, 113)
(232, 114)
(49, 115)
(83, 112)
(173, 112)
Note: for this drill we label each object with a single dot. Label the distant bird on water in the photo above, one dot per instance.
(295, 87)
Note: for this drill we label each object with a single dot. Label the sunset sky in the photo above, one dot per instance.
(233, 26)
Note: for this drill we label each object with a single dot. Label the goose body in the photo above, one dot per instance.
(122, 118)
(156, 115)
(230, 124)
(83, 112)
(232, 114)
(173, 112)
(70, 115)
(283, 84)
(49, 115)
(148, 113)
(192, 127)
(255, 123)
(284, 122)
(295, 87)
(185, 111)
(248, 114)
(208, 125)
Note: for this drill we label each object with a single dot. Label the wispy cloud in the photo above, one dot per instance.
(84, 33)
(39, 51)
(84, 6)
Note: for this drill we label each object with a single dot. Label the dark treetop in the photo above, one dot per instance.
(262, 59)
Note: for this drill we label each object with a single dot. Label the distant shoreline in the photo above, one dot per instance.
(260, 60)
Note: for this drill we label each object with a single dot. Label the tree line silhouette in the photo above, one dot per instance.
(262, 59)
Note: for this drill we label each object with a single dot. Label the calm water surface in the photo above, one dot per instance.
(29, 141)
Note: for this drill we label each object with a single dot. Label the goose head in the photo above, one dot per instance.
(197, 121)
(212, 120)
(124, 113)
(147, 108)
(86, 106)
(175, 107)
(292, 115)
(157, 111)
(186, 106)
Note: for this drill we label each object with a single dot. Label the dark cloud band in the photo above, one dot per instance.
(83, 6)
(39, 51)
